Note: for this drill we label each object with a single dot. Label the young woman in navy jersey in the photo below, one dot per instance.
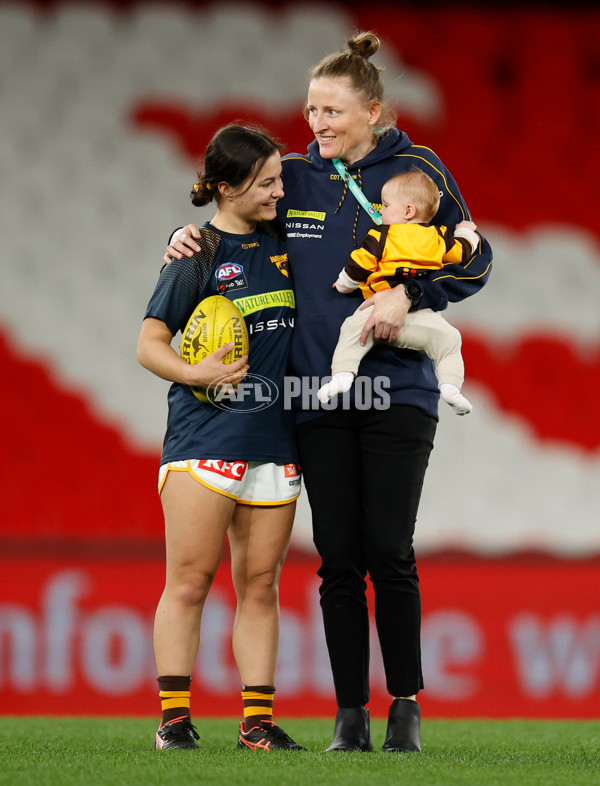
(228, 470)
(363, 466)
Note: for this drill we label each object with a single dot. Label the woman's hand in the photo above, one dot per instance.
(155, 353)
(212, 369)
(390, 307)
(182, 243)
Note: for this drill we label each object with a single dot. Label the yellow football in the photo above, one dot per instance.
(215, 321)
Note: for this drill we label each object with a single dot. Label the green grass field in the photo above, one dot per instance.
(66, 751)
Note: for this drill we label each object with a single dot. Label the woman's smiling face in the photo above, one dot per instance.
(256, 199)
(341, 119)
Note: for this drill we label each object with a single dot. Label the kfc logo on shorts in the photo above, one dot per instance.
(234, 470)
(291, 470)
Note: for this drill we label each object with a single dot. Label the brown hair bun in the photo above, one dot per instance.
(364, 44)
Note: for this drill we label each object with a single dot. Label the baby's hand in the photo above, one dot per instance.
(466, 225)
(342, 287)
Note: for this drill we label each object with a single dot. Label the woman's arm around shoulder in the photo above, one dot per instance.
(183, 243)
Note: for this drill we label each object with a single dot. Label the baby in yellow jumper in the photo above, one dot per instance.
(403, 247)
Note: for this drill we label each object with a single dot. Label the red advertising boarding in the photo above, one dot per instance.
(500, 639)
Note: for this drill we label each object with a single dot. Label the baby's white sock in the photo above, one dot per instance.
(452, 395)
(340, 383)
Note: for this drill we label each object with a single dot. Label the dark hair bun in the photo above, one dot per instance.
(364, 44)
(201, 193)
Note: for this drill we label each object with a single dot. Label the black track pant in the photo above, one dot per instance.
(364, 472)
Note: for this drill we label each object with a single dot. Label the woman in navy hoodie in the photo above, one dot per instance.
(363, 455)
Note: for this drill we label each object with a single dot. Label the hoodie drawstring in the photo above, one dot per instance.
(344, 192)
(357, 216)
(343, 197)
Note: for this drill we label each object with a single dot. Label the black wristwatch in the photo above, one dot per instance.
(413, 292)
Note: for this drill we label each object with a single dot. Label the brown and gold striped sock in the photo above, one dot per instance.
(175, 695)
(258, 704)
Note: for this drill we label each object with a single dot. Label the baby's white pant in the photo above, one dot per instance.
(424, 330)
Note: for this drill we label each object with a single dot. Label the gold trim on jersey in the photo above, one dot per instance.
(440, 173)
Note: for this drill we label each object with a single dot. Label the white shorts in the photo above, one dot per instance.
(247, 482)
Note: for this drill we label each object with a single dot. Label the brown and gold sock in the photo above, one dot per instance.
(175, 695)
(258, 704)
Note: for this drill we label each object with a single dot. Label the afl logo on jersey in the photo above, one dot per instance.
(230, 276)
(227, 272)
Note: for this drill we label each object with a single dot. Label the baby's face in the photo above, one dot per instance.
(394, 203)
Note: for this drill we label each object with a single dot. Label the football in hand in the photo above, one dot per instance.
(215, 321)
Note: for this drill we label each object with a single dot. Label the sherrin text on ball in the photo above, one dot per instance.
(215, 321)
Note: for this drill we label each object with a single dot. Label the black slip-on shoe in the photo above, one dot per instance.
(404, 727)
(352, 730)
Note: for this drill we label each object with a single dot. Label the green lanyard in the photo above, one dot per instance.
(356, 190)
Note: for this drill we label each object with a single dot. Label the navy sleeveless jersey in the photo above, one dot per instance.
(252, 271)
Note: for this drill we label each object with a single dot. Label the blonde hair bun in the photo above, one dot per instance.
(364, 44)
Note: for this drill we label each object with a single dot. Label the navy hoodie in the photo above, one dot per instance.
(324, 223)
